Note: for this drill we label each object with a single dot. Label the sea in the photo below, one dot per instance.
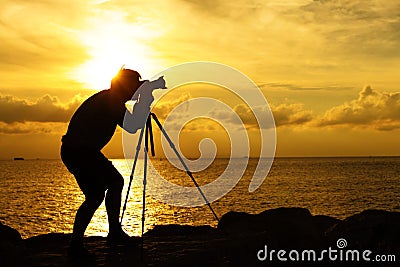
(40, 196)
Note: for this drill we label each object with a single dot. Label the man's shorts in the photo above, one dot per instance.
(93, 172)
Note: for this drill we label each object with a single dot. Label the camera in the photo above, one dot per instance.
(158, 84)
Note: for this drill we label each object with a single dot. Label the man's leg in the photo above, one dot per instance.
(83, 217)
(115, 183)
(113, 202)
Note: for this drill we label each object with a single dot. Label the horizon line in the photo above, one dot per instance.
(244, 157)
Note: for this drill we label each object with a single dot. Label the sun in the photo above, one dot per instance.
(96, 74)
(111, 44)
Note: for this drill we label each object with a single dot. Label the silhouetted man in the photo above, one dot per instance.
(90, 129)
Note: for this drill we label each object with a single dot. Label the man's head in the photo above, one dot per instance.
(126, 82)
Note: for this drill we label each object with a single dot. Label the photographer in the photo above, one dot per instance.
(90, 129)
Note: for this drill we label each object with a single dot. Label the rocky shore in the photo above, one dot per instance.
(277, 237)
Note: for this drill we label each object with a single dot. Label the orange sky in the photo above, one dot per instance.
(329, 69)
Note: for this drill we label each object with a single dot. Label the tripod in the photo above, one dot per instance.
(148, 132)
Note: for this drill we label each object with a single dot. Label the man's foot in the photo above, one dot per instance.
(122, 238)
(80, 253)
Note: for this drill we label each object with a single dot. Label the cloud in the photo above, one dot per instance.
(284, 115)
(293, 87)
(291, 114)
(372, 109)
(45, 109)
(46, 39)
(37, 36)
(379, 110)
(327, 11)
(322, 38)
(201, 125)
(164, 106)
(360, 27)
(251, 29)
(32, 128)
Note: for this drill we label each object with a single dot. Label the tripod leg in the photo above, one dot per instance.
(144, 178)
(144, 185)
(150, 131)
(171, 144)
(132, 172)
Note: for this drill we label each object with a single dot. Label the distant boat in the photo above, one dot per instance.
(19, 158)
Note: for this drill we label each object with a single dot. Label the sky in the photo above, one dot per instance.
(329, 69)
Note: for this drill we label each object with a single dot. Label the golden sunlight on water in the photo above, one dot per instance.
(156, 212)
(41, 196)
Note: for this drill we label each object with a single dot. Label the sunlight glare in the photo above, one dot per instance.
(112, 42)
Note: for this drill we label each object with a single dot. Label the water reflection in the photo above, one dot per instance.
(41, 196)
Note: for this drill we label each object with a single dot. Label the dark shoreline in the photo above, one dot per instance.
(276, 157)
(235, 242)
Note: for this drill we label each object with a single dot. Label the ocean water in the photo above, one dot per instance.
(41, 196)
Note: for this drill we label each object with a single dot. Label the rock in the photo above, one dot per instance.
(11, 247)
(9, 234)
(239, 222)
(284, 227)
(370, 229)
(182, 230)
(235, 242)
(325, 223)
